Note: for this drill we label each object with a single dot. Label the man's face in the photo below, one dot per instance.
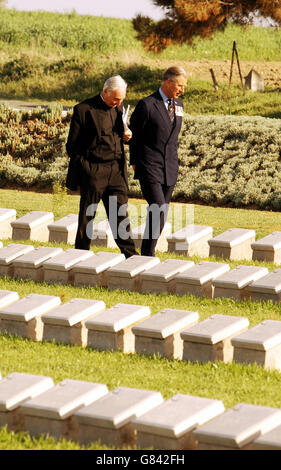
(114, 97)
(175, 88)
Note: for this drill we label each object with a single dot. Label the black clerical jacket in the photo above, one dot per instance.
(84, 133)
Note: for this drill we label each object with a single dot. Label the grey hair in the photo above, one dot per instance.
(113, 83)
(173, 73)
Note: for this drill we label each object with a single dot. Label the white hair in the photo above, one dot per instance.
(113, 83)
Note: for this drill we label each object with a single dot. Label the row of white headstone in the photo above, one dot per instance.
(139, 273)
(130, 328)
(87, 412)
(234, 243)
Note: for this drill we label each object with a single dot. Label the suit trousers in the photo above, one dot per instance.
(158, 197)
(104, 181)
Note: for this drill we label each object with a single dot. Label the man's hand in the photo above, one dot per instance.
(127, 135)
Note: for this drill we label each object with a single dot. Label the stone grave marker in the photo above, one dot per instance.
(126, 275)
(235, 283)
(237, 428)
(112, 329)
(161, 278)
(268, 248)
(254, 81)
(32, 226)
(6, 217)
(271, 440)
(64, 230)
(160, 333)
(191, 240)
(60, 267)
(260, 344)
(66, 323)
(162, 243)
(51, 412)
(198, 280)
(94, 270)
(267, 287)
(170, 424)
(234, 244)
(23, 317)
(30, 265)
(8, 255)
(15, 388)
(109, 419)
(102, 235)
(210, 340)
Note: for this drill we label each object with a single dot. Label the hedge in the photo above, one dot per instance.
(223, 160)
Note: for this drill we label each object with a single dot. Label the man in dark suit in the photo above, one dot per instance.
(155, 124)
(98, 166)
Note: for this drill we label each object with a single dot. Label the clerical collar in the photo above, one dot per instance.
(108, 107)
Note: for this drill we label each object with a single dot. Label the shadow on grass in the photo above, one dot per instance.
(76, 84)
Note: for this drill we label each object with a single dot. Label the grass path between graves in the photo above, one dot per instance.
(232, 383)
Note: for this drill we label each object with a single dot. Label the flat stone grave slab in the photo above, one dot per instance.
(109, 419)
(233, 244)
(7, 297)
(210, 340)
(198, 280)
(126, 275)
(64, 230)
(162, 243)
(51, 412)
(94, 270)
(9, 254)
(112, 329)
(268, 248)
(59, 268)
(30, 265)
(170, 424)
(6, 217)
(235, 283)
(160, 333)
(15, 388)
(191, 240)
(269, 441)
(32, 226)
(23, 317)
(161, 278)
(66, 323)
(101, 235)
(260, 344)
(237, 428)
(267, 288)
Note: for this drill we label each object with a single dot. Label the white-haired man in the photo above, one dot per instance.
(97, 163)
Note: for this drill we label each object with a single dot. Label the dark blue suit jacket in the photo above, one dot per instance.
(153, 147)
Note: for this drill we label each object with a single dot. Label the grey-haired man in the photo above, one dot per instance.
(98, 165)
(156, 123)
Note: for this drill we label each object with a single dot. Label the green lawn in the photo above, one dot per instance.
(232, 383)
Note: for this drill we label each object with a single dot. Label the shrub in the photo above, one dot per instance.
(223, 160)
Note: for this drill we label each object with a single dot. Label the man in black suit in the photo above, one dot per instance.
(155, 124)
(98, 166)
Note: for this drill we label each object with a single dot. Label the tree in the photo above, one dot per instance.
(185, 19)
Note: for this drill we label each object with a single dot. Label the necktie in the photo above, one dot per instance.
(171, 109)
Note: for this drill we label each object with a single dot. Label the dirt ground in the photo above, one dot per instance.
(270, 71)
